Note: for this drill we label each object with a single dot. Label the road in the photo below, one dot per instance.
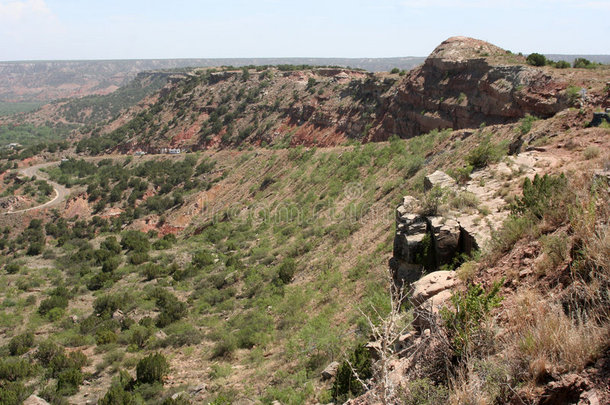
(61, 192)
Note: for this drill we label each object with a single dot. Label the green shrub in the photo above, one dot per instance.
(485, 153)
(513, 229)
(424, 392)
(464, 199)
(182, 334)
(14, 368)
(202, 259)
(111, 264)
(137, 258)
(180, 400)
(591, 152)
(346, 384)
(471, 308)
(286, 270)
(69, 380)
(118, 393)
(111, 244)
(536, 59)
(13, 393)
(106, 304)
(51, 303)
(225, 346)
(152, 369)
(555, 247)
(526, 124)
(541, 196)
(461, 174)
(98, 281)
(12, 268)
(581, 63)
(171, 308)
(573, 94)
(105, 336)
(433, 200)
(59, 363)
(562, 64)
(138, 335)
(152, 271)
(78, 359)
(135, 241)
(46, 351)
(35, 248)
(220, 371)
(20, 344)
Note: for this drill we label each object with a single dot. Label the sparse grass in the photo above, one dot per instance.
(463, 200)
(467, 271)
(556, 251)
(591, 152)
(220, 370)
(546, 339)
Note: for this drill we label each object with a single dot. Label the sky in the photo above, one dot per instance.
(150, 29)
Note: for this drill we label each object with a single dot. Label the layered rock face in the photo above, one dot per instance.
(462, 84)
(426, 242)
(466, 82)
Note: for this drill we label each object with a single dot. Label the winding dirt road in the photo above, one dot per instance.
(61, 192)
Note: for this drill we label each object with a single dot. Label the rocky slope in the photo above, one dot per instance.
(279, 265)
(464, 83)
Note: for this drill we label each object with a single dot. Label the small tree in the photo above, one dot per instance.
(536, 59)
(245, 74)
(286, 271)
(20, 344)
(152, 369)
(581, 63)
(562, 64)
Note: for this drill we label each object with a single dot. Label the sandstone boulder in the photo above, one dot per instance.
(439, 178)
(432, 284)
(330, 371)
(35, 400)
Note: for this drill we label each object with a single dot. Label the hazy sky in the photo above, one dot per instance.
(127, 29)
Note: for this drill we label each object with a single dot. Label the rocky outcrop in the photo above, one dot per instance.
(440, 179)
(466, 82)
(427, 242)
(34, 400)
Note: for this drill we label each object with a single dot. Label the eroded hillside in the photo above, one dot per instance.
(251, 270)
(464, 83)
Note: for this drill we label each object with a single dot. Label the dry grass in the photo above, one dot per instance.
(591, 152)
(482, 382)
(546, 340)
(467, 271)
